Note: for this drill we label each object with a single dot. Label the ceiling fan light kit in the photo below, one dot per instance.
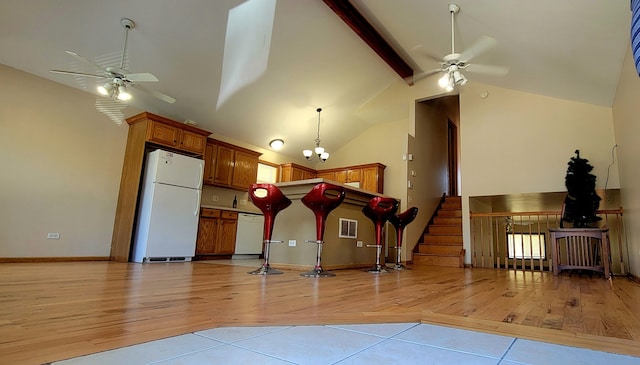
(118, 78)
(318, 150)
(115, 89)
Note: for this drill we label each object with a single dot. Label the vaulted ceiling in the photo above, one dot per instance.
(271, 86)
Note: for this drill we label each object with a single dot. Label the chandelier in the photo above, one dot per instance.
(318, 150)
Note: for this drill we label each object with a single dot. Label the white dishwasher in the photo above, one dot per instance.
(249, 236)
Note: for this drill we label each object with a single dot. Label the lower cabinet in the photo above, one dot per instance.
(216, 232)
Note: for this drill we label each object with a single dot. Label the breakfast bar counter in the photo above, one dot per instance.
(296, 224)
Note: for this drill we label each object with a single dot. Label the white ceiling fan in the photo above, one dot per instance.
(453, 63)
(117, 80)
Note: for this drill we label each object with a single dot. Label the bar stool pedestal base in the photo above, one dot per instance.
(318, 272)
(378, 269)
(399, 267)
(265, 270)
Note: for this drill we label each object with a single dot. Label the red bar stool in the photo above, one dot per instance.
(270, 200)
(399, 221)
(379, 210)
(322, 199)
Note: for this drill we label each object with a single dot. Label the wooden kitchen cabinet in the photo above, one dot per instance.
(210, 154)
(223, 165)
(177, 137)
(348, 175)
(295, 172)
(372, 178)
(331, 175)
(369, 176)
(147, 132)
(245, 169)
(230, 166)
(216, 232)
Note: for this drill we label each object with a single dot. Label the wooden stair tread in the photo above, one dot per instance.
(456, 255)
(442, 241)
(428, 237)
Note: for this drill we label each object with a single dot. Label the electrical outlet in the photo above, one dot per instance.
(359, 243)
(215, 198)
(292, 243)
(53, 236)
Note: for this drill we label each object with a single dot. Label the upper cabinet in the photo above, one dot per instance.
(327, 174)
(230, 166)
(348, 175)
(169, 133)
(294, 172)
(368, 177)
(372, 177)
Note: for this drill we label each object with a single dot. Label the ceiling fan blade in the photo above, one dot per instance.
(82, 59)
(422, 75)
(483, 44)
(141, 77)
(423, 53)
(159, 95)
(487, 69)
(77, 73)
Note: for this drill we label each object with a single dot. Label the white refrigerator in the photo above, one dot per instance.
(167, 223)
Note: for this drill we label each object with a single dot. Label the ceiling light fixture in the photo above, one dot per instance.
(319, 151)
(115, 89)
(451, 78)
(276, 144)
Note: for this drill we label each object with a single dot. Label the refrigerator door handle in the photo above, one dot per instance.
(201, 174)
(197, 208)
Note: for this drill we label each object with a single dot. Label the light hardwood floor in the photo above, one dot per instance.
(53, 311)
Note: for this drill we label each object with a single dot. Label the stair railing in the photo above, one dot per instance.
(520, 240)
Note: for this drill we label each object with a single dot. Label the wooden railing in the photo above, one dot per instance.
(509, 239)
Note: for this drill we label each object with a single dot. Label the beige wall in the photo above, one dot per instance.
(516, 142)
(626, 109)
(384, 143)
(60, 172)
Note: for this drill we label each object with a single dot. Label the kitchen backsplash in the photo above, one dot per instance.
(221, 197)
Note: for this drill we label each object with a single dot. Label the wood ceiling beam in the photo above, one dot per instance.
(359, 24)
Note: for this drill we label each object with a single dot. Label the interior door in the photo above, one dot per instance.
(452, 152)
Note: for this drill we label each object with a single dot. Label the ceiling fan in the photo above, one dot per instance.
(118, 79)
(453, 63)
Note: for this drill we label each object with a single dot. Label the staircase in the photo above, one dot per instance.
(442, 240)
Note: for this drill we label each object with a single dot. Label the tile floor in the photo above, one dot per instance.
(397, 343)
